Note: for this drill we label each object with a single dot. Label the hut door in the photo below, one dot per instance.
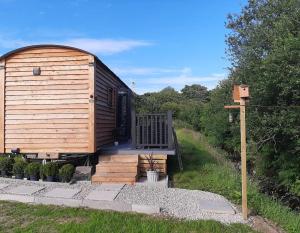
(122, 119)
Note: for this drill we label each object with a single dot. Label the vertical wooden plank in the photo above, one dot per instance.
(170, 141)
(243, 157)
(160, 129)
(2, 105)
(92, 135)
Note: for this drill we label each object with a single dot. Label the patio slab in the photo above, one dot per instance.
(216, 206)
(110, 187)
(2, 186)
(25, 189)
(62, 193)
(98, 195)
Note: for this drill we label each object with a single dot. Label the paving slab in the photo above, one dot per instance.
(107, 205)
(2, 186)
(100, 195)
(110, 187)
(62, 193)
(16, 197)
(25, 189)
(216, 206)
(58, 201)
(146, 209)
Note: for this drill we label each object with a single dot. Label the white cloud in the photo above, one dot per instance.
(101, 46)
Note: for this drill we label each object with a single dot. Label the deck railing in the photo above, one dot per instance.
(152, 130)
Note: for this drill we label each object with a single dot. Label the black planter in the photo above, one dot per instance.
(19, 176)
(50, 178)
(33, 178)
(3, 173)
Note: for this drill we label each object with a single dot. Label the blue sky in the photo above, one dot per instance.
(153, 43)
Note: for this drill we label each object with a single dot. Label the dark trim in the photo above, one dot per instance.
(6, 55)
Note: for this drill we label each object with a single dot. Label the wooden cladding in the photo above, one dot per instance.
(152, 130)
(70, 107)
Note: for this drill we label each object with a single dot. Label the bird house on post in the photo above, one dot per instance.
(240, 91)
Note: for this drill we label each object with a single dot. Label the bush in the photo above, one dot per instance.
(66, 172)
(6, 164)
(33, 169)
(19, 167)
(50, 169)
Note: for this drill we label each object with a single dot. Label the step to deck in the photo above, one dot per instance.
(116, 169)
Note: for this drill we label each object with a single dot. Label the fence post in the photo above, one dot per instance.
(133, 128)
(169, 119)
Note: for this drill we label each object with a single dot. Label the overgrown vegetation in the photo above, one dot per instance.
(206, 168)
(264, 49)
(16, 217)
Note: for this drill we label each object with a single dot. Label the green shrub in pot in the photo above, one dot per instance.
(50, 171)
(6, 164)
(66, 172)
(33, 170)
(19, 168)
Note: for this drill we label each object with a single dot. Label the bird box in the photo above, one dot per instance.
(240, 91)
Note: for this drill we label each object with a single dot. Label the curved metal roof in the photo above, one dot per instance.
(6, 55)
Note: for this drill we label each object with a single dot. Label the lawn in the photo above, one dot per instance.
(206, 168)
(17, 217)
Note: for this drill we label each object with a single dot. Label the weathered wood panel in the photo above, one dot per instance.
(2, 102)
(48, 113)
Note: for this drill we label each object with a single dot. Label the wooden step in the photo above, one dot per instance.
(123, 169)
(116, 174)
(101, 179)
(116, 164)
(119, 158)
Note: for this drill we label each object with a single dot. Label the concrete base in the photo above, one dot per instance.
(146, 209)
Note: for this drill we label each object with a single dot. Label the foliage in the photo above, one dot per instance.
(19, 167)
(206, 168)
(50, 169)
(195, 92)
(153, 166)
(66, 172)
(264, 48)
(6, 164)
(33, 169)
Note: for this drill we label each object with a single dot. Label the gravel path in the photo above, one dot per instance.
(178, 203)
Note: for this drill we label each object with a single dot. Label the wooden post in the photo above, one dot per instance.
(169, 119)
(133, 128)
(91, 96)
(240, 95)
(243, 157)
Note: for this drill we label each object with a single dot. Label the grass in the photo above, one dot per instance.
(22, 218)
(206, 168)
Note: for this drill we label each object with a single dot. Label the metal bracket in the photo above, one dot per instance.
(92, 64)
(2, 67)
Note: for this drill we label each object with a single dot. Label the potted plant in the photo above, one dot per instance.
(152, 172)
(5, 165)
(115, 134)
(33, 170)
(50, 171)
(66, 172)
(19, 168)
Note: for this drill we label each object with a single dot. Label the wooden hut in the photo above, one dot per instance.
(57, 100)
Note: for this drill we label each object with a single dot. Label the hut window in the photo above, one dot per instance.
(110, 97)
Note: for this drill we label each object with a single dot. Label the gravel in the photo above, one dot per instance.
(177, 203)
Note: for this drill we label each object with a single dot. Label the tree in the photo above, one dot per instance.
(196, 92)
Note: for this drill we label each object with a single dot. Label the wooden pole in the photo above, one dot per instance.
(243, 157)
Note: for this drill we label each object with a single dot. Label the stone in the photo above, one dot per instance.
(146, 209)
(25, 189)
(216, 206)
(110, 187)
(2, 186)
(99, 195)
(107, 205)
(82, 173)
(16, 197)
(58, 201)
(62, 192)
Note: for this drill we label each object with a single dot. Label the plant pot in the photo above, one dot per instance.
(19, 176)
(152, 176)
(50, 178)
(3, 173)
(33, 178)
